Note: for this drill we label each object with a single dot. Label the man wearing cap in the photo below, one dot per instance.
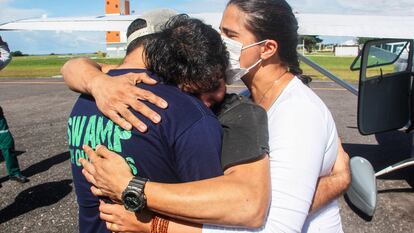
(7, 150)
(170, 151)
(5, 56)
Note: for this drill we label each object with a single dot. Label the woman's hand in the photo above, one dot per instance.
(116, 95)
(118, 219)
(107, 171)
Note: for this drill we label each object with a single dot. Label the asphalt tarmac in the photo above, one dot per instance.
(37, 110)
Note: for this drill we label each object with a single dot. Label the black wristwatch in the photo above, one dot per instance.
(133, 196)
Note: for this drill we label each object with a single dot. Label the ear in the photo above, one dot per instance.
(269, 49)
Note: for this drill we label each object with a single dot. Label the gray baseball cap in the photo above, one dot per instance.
(155, 20)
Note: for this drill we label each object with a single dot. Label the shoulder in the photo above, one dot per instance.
(299, 102)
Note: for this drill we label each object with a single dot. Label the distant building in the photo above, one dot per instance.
(116, 41)
(347, 49)
(393, 47)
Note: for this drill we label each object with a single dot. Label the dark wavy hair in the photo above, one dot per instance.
(274, 19)
(188, 52)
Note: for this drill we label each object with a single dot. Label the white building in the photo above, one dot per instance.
(349, 48)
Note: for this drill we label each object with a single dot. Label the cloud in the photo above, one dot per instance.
(190, 6)
(9, 13)
(365, 7)
(45, 42)
(379, 7)
(61, 42)
(183, 6)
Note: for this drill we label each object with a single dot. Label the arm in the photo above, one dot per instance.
(331, 187)
(240, 197)
(118, 219)
(80, 74)
(114, 95)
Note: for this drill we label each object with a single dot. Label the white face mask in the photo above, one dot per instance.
(234, 72)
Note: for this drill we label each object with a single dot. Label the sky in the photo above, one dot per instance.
(41, 42)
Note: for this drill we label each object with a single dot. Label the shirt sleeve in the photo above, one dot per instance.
(298, 138)
(197, 151)
(5, 57)
(245, 134)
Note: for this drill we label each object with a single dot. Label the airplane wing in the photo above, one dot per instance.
(398, 27)
(98, 23)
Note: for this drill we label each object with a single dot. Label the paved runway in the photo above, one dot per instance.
(37, 111)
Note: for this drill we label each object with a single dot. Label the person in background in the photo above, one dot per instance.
(7, 150)
(5, 56)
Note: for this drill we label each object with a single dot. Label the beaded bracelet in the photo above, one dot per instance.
(159, 225)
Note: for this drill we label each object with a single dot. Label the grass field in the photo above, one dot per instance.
(47, 66)
(44, 66)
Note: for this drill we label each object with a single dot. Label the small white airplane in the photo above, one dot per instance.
(384, 100)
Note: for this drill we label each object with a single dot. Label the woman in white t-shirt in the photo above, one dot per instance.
(303, 140)
(262, 36)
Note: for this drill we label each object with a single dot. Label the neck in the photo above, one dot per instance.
(268, 83)
(134, 60)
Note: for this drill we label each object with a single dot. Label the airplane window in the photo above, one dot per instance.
(387, 58)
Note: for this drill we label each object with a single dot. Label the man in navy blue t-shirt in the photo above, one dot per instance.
(186, 145)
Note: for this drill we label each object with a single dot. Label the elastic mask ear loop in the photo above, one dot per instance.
(252, 45)
(255, 64)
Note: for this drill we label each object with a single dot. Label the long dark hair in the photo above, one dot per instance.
(273, 19)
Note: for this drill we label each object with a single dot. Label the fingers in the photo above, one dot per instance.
(150, 97)
(104, 152)
(112, 227)
(97, 192)
(114, 116)
(144, 78)
(91, 153)
(110, 208)
(87, 166)
(89, 177)
(145, 111)
(107, 217)
(130, 119)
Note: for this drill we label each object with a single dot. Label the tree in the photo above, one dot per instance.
(18, 54)
(311, 42)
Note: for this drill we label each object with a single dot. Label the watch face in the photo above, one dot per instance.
(133, 201)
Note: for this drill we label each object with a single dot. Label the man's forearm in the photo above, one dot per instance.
(177, 226)
(330, 188)
(79, 74)
(239, 198)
